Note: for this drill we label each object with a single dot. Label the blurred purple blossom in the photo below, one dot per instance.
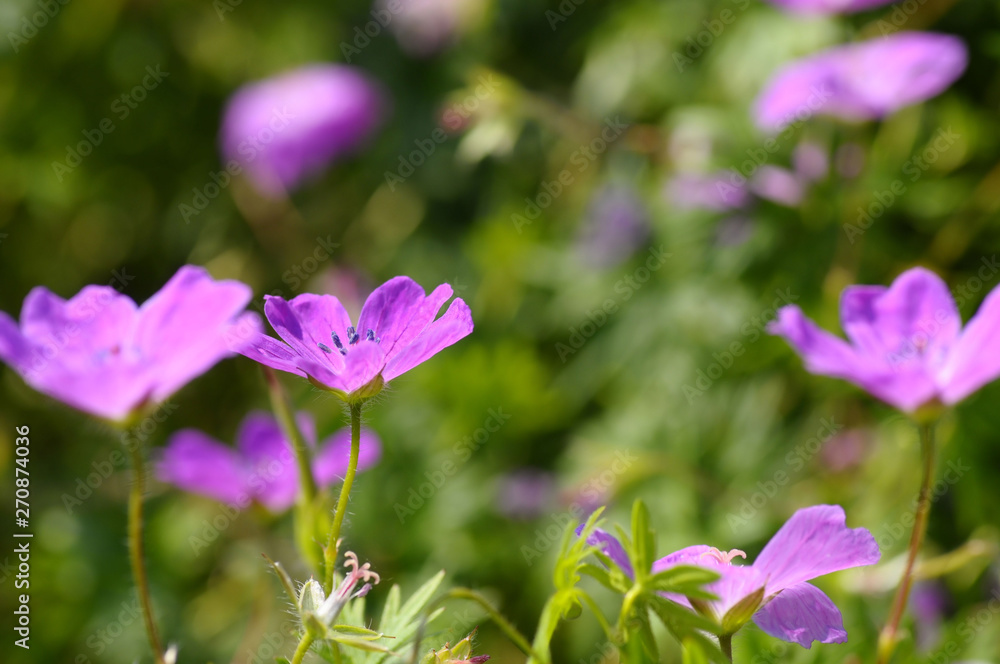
(778, 185)
(862, 81)
(262, 466)
(424, 27)
(846, 450)
(715, 192)
(100, 353)
(929, 603)
(615, 224)
(906, 344)
(828, 6)
(811, 161)
(525, 493)
(288, 128)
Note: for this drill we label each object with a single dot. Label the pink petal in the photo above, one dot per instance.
(454, 325)
(813, 542)
(304, 335)
(273, 475)
(802, 614)
(388, 311)
(272, 353)
(974, 359)
(330, 464)
(199, 464)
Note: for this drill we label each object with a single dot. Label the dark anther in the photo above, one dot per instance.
(352, 336)
(370, 334)
(336, 341)
(323, 347)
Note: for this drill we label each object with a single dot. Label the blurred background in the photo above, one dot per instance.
(557, 164)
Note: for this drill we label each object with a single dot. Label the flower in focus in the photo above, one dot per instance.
(396, 331)
(262, 467)
(101, 354)
(285, 129)
(862, 81)
(905, 343)
(424, 27)
(616, 223)
(828, 6)
(312, 601)
(774, 589)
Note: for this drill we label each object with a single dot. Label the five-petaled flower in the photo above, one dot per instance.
(396, 331)
(813, 542)
(262, 467)
(906, 343)
(103, 355)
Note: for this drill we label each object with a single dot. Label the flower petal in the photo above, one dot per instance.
(330, 464)
(272, 353)
(802, 614)
(199, 464)
(611, 547)
(302, 334)
(454, 325)
(389, 309)
(14, 348)
(813, 542)
(974, 359)
(273, 473)
(424, 316)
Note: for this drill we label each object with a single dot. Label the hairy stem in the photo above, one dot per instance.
(303, 648)
(136, 549)
(888, 638)
(330, 553)
(506, 626)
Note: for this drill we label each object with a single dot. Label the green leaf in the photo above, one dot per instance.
(680, 619)
(643, 550)
(685, 580)
(741, 613)
(286, 581)
(692, 652)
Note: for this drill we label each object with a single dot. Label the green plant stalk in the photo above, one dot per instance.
(303, 648)
(305, 511)
(330, 553)
(136, 549)
(506, 626)
(888, 638)
(726, 645)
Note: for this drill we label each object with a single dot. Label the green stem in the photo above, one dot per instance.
(726, 645)
(506, 626)
(303, 648)
(345, 491)
(888, 638)
(135, 547)
(305, 518)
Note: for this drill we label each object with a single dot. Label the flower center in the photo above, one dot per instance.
(723, 557)
(352, 338)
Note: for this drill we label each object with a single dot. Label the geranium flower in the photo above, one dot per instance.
(103, 355)
(290, 127)
(396, 331)
(828, 6)
(905, 344)
(813, 542)
(262, 466)
(862, 81)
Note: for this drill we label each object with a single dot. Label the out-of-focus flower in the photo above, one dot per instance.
(828, 6)
(862, 81)
(262, 466)
(424, 27)
(778, 184)
(906, 343)
(810, 161)
(524, 494)
(396, 331)
(774, 589)
(103, 355)
(845, 450)
(715, 192)
(615, 224)
(928, 602)
(285, 129)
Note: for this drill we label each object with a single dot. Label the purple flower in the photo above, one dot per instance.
(424, 27)
(285, 129)
(778, 185)
(813, 542)
(103, 355)
(828, 6)
(616, 223)
(862, 81)
(262, 467)
(905, 343)
(396, 331)
(715, 192)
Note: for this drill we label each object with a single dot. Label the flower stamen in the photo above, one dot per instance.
(723, 557)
